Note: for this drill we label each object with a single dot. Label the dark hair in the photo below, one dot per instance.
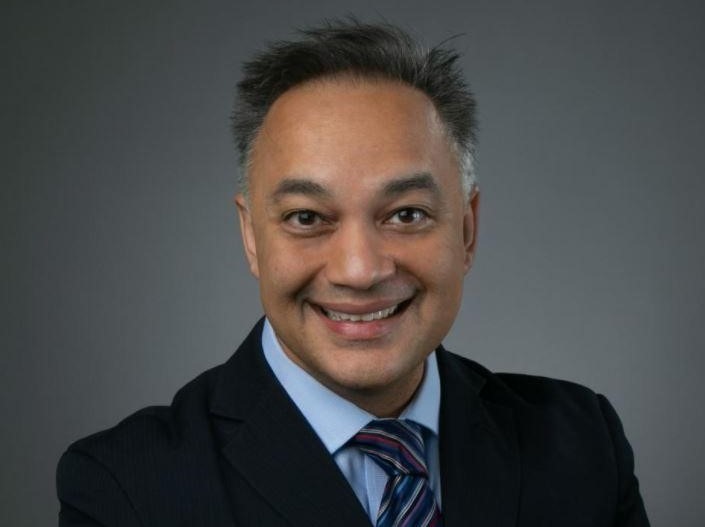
(380, 51)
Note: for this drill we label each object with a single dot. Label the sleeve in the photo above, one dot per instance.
(630, 507)
(89, 494)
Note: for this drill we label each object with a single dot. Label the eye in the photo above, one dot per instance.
(303, 219)
(409, 216)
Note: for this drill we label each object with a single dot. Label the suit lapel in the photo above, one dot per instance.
(273, 447)
(480, 470)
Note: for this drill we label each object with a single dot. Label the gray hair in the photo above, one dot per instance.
(349, 47)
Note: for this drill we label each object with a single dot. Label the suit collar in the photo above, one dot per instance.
(263, 434)
(267, 440)
(335, 419)
(480, 470)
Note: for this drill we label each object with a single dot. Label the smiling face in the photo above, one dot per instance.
(359, 234)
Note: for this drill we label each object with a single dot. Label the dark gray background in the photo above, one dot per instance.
(122, 267)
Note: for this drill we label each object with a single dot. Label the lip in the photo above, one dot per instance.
(362, 330)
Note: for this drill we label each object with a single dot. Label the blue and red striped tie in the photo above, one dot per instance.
(397, 446)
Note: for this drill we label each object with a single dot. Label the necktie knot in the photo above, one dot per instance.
(396, 445)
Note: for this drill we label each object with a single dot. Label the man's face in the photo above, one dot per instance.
(359, 234)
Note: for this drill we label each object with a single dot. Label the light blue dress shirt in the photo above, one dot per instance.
(337, 420)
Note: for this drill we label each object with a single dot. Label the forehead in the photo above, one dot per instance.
(350, 129)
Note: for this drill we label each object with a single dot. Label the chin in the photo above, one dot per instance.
(376, 376)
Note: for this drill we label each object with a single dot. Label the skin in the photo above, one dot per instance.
(355, 206)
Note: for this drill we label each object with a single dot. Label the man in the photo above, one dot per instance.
(358, 214)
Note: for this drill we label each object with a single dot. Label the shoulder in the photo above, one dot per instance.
(110, 474)
(150, 426)
(185, 421)
(544, 410)
(550, 416)
(161, 450)
(518, 390)
(564, 432)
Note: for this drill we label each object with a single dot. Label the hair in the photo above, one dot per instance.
(366, 51)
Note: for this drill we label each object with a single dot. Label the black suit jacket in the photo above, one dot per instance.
(232, 449)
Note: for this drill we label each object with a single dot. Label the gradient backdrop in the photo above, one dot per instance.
(123, 275)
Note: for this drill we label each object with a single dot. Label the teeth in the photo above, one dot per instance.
(339, 316)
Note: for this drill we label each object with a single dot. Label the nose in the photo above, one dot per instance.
(357, 258)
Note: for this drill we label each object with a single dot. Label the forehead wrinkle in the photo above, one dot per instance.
(299, 186)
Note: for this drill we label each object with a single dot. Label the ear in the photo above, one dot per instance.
(470, 226)
(248, 233)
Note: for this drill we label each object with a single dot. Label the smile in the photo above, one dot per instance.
(339, 316)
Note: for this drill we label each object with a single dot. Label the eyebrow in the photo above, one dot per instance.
(401, 185)
(304, 187)
(420, 181)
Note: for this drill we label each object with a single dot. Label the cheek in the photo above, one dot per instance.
(284, 270)
(445, 273)
(447, 258)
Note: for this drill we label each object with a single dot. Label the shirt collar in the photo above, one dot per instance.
(334, 418)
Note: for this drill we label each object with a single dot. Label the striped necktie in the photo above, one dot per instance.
(397, 446)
